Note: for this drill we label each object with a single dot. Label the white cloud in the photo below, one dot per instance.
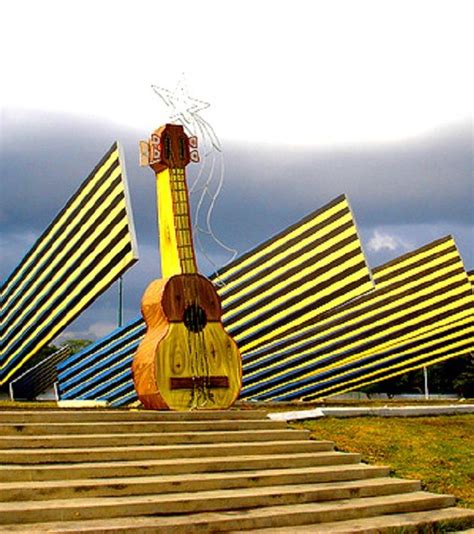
(382, 240)
(321, 73)
(94, 331)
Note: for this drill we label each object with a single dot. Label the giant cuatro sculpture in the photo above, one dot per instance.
(186, 359)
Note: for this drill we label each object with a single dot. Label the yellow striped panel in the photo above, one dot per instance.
(54, 236)
(231, 272)
(455, 345)
(392, 373)
(277, 294)
(294, 277)
(459, 342)
(397, 269)
(354, 345)
(342, 322)
(308, 368)
(87, 246)
(422, 296)
(74, 251)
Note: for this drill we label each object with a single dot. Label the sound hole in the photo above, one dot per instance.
(195, 318)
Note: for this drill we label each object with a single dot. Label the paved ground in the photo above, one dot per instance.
(379, 411)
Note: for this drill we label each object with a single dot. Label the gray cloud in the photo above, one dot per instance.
(414, 191)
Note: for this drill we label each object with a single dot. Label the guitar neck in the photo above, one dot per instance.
(176, 240)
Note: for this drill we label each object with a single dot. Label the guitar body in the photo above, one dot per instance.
(186, 359)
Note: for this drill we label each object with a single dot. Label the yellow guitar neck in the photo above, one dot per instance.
(176, 240)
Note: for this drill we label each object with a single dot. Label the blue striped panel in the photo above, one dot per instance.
(103, 369)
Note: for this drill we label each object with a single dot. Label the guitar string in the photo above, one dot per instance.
(188, 301)
(211, 144)
(201, 393)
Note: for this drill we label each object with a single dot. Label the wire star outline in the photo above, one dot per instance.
(182, 106)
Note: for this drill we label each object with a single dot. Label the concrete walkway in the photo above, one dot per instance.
(378, 411)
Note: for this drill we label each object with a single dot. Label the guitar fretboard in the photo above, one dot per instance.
(182, 221)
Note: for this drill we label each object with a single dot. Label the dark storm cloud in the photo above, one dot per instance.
(45, 158)
(418, 186)
(419, 181)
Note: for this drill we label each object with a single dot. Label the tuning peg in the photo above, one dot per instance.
(194, 156)
(193, 142)
(155, 153)
(144, 154)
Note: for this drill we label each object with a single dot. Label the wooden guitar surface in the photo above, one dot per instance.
(186, 359)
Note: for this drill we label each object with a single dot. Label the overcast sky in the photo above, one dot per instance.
(310, 99)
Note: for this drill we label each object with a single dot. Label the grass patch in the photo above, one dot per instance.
(439, 451)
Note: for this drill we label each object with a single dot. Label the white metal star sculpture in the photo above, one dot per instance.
(185, 110)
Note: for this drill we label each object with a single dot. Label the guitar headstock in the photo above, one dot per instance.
(168, 147)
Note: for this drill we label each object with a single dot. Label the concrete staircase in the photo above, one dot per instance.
(136, 471)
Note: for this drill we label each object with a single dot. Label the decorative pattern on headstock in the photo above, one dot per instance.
(168, 147)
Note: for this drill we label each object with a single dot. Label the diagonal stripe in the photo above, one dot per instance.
(83, 296)
(288, 266)
(66, 216)
(444, 341)
(61, 248)
(408, 263)
(83, 373)
(87, 246)
(436, 339)
(437, 303)
(294, 277)
(449, 348)
(395, 303)
(269, 247)
(296, 379)
(316, 236)
(315, 297)
(449, 351)
(91, 241)
(103, 369)
(313, 363)
(392, 372)
(285, 297)
(58, 292)
(400, 289)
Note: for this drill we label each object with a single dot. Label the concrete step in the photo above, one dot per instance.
(245, 519)
(122, 486)
(70, 416)
(213, 464)
(446, 519)
(98, 454)
(202, 501)
(112, 427)
(140, 439)
(206, 471)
